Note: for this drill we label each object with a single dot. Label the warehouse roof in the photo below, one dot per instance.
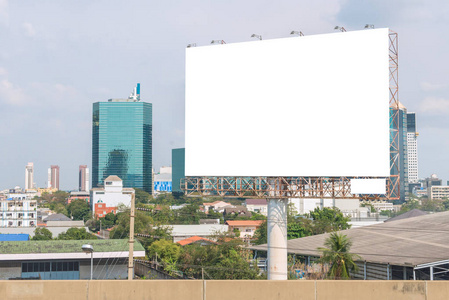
(66, 246)
(407, 242)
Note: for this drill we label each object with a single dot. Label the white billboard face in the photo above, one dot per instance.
(300, 106)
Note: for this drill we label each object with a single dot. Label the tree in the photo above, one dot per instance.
(142, 224)
(141, 196)
(79, 210)
(327, 220)
(165, 250)
(42, 234)
(76, 234)
(225, 260)
(337, 255)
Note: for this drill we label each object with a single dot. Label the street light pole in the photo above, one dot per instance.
(87, 248)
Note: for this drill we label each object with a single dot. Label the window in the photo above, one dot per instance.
(108, 182)
(248, 230)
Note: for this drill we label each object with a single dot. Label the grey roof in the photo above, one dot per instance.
(406, 242)
(410, 214)
(256, 201)
(112, 178)
(57, 217)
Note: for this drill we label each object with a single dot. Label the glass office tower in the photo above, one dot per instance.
(122, 142)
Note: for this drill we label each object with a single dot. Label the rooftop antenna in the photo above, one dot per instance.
(135, 95)
(342, 29)
(297, 33)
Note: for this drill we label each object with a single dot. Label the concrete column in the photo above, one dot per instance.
(277, 239)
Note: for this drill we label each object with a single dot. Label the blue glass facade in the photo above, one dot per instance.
(403, 155)
(122, 143)
(178, 168)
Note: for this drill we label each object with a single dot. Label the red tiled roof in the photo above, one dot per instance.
(193, 239)
(244, 223)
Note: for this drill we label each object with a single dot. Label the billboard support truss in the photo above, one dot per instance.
(310, 187)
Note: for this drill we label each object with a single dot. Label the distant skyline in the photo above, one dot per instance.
(63, 56)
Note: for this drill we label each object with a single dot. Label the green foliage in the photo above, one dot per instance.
(327, 220)
(79, 209)
(141, 196)
(142, 224)
(42, 234)
(76, 234)
(226, 260)
(260, 235)
(297, 230)
(337, 255)
(236, 232)
(165, 250)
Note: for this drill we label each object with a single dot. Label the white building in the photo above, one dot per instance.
(438, 192)
(18, 210)
(382, 205)
(412, 148)
(304, 206)
(107, 199)
(259, 206)
(163, 181)
(29, 176)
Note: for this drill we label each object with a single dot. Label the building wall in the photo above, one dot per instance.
(438, 192)
(234, 289)
(412, 148)
(18, 213)
(122, 143)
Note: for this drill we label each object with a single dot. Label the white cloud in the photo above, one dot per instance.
(11, 94)
(4, 16)
(3, 72)
(428, 86)
(434, 106)
(29, 29)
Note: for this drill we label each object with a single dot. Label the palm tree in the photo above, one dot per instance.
(338, 257)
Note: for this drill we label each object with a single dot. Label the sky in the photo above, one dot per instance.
(59, 57)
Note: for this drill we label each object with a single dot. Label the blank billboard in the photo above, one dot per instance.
(300, 106)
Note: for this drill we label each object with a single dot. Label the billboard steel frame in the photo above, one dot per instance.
(310, 187)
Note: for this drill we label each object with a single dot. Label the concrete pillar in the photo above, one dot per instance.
(277, 239)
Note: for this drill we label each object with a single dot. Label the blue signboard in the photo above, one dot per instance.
(162, 186)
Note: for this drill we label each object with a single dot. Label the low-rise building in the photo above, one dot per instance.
(79, 195)
(181, 232)
(245, 227)
(107, 199)
(18, 210)
(259, 206)
(65, 259)
(438, 192)
(217, 206)
(163, 181)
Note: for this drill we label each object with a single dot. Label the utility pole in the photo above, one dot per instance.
(131, 239)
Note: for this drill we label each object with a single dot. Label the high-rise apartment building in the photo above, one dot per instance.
(29, 176)
(53, 177)
(403, 153)
(122, 142)
(83, 179)
(412, 148)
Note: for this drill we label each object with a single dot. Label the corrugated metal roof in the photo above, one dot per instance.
(14, 237)
(407, 242)
(66, 246)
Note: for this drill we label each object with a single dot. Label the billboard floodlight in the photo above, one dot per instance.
(369, 26)
(191, 45)
(342, 29)
(257, 36)
(297, 32)
(218, 42)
